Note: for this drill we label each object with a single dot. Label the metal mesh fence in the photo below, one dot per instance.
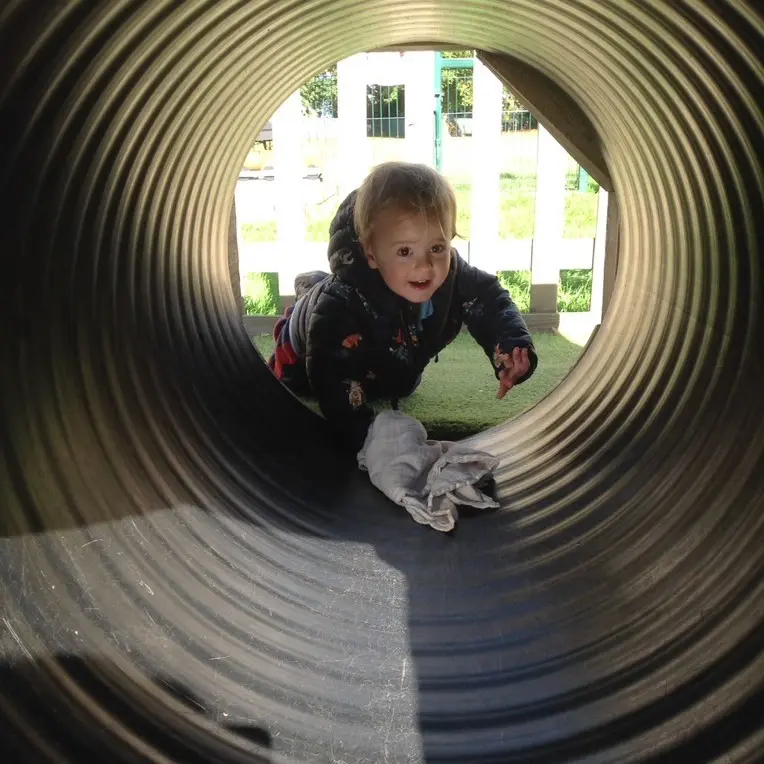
(386, 111)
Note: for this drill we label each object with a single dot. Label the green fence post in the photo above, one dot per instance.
(438, 88)
(583, 179)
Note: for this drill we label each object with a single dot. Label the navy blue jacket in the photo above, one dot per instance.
(361, 342)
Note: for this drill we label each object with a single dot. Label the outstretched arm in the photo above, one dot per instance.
(494, 320)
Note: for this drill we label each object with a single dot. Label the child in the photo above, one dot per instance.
(397, 295)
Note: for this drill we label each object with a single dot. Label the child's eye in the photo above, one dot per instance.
(439, 249)
(404, 251)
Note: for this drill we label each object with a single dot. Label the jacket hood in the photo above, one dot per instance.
(348, 261)
(346, 257)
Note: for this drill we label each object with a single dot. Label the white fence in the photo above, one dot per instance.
(505, 255)
(284, 198)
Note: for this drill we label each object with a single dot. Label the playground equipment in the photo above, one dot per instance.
(188, 570)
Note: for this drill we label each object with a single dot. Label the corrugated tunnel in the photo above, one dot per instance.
(189, 573)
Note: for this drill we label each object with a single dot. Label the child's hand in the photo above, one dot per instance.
(516, 366)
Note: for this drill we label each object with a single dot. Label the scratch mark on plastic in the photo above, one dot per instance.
(16, 638)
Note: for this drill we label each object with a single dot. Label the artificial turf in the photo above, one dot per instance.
(457, 397)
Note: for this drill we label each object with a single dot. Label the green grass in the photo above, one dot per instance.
(517, 205)
(457, 397)
(263, 231)
(516, 161)
(574, 294)
(580, 215)
(518, 284)
(261, 294)
(574, 289)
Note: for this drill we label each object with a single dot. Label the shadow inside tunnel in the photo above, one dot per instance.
(409, 621)
(405, 644)
(430, 613)
(82, 708)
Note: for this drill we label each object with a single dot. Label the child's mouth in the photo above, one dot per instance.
(421, 284)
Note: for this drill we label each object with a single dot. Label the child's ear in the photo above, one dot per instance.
(371, 258)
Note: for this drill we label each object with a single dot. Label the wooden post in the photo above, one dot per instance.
(549, 224)
(233, 259)
(486, 137)
(598, 263)
(612, 251)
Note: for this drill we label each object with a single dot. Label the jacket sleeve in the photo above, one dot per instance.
(491, 316)
(335, 364)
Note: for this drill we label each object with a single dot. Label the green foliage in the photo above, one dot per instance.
(458, 54)
(261, 294)
(385, 111)
(572, 178)
(250, 306)
(518, 284)
(388, 94)
(464, 85)
(462, 90)
(319, 95)
(574, 294)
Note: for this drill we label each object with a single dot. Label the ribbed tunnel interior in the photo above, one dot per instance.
(189, 571)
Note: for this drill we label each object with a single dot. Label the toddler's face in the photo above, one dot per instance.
(411, 253)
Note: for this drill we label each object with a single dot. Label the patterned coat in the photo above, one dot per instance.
(361, 342)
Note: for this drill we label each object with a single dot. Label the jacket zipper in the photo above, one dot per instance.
(409, 340)
(410, 347)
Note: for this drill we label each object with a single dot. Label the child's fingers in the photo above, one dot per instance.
(521, 363)
(516, 367)
(524, 364)
(506, 383)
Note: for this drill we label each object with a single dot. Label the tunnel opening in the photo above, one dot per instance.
(168, 508)
(310, 155)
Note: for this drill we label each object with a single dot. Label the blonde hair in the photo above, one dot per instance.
(404, 186)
